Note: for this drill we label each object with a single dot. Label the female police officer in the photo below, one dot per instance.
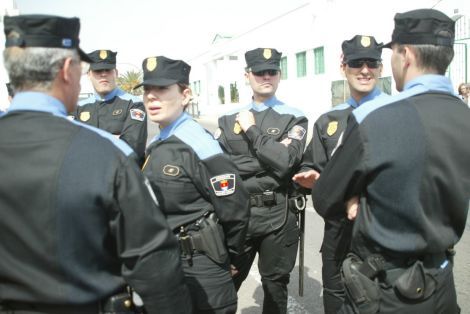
(197, 186)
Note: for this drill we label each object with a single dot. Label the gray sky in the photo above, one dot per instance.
(141, 28)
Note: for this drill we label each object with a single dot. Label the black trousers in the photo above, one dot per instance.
(442, 301)
(335, 246)
(277, 252)
(210, 285)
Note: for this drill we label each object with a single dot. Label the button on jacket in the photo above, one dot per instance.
(77, 215)
(119, 113)
(191, 176)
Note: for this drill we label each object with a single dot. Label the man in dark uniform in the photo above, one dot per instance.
(266, 141)
(361, 66)
(110, 108)
(406, 159)
(79, 220)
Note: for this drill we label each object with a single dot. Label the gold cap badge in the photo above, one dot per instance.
(85, 116)
(103, 54)
(151, 64)
(267, 53)
(332, 128)
(365, 41)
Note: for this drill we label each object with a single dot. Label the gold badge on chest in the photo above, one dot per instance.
(237, 128)
(332, 128)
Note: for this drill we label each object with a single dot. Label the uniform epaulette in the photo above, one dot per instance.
(202, 142)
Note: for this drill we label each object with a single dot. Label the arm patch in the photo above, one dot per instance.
(297, 132)
(224, 184)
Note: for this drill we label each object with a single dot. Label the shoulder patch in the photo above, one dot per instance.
(224, 184)
(217, 133)
(332, 128)
(137, 114)
(85, 116)
(297, 132)
(171, 170)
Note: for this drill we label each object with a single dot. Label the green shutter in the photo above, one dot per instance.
(319, 60)
(284, 68)
(301, 64)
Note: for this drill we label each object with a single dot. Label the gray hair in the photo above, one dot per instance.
(433, 58)
(35, 68)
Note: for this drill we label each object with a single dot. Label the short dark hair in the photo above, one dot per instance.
(432, 57)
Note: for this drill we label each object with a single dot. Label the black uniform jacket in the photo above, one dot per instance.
(121, 114)
(407, 156)
(191, 176)
(78, 215)
(265, 164)
(327, 131)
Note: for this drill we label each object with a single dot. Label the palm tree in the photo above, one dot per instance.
(130, 79)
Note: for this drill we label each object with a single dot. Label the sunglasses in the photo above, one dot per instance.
(358, 64)
(263, 73)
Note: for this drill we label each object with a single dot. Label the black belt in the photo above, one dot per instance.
(118, 303)
(267, 198)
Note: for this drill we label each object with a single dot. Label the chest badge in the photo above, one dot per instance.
(170, 170)
(273, 131)
(223, 184)
(117, 112)
(332, 128)
(237, 128)
(85, 116)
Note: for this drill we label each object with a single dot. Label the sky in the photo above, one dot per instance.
(178, 29)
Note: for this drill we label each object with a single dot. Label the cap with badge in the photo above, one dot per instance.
(423, 27)
(262, 59)
(47, 31)
(163, 71)
(102, 60)
(361, 47)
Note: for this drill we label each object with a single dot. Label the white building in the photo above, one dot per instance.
(310, 37)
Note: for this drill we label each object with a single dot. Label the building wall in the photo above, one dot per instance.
(317, 23)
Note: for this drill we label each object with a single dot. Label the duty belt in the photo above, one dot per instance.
(267, 198)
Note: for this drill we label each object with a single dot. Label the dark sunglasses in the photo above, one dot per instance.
(263, 73)
(358, 64)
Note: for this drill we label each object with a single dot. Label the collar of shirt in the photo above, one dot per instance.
(167, 131)
(35, 101)
(374, 93)
(431, 82)
(115, 92)
(269, 103)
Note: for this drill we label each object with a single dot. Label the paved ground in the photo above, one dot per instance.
(251, 293)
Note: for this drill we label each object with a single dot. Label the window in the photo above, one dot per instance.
(301, 64)
(319, 60)
(284, 68)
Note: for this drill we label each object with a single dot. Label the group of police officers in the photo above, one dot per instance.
(85, 230)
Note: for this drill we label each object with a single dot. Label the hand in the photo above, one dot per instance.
(246, 119)
(352, 207)
(306, 179)
(233, 270)
(286, 141)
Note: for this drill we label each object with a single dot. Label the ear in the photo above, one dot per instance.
(342, 69)
(67, 70)
(247, 78)
(117, 73)
(186, 97)
(408, 57)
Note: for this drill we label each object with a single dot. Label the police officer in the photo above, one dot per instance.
(74, 229)
(198, 187)
(266, 141)
(403, 156)
(110, 108)
(361, 66)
